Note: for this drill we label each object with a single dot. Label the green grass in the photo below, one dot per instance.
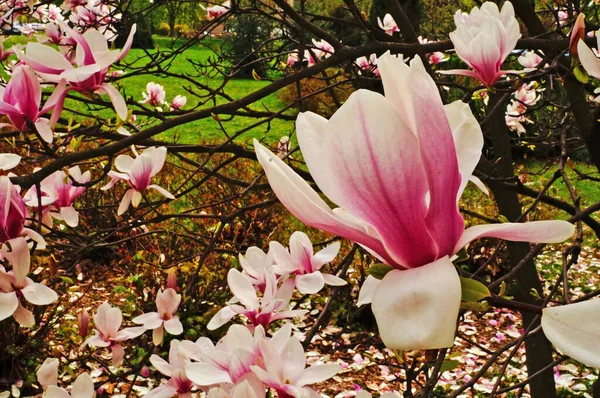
(206, 130)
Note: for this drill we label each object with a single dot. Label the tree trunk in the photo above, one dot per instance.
(538, 348)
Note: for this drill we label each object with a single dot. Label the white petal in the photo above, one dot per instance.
(367, 290)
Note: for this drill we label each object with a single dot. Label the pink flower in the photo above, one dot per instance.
(272, 306)
(178, 102)
(563, 17)
(257, 267)
(15, 283)
(107, 322)
(93, 60)
(323, 49)
(292, 58)
(301, 262)
(13, 215)
(154, 95)
(137, 173)
(368, 65)
(82, 388)
(21, 100)
(405, 212)
(530, 59)
(388, 24)
(216, 11)
(484, 41)
(284, 370)
(175, 369)
(167, 303)
(47, 374)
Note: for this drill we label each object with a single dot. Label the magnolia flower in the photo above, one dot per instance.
(82, 388)
(530, 59)
(484, 41)
(515, 117)
(292, 58)
(388, 24)
(563, 17)
(154, 94)
(216, 11)
(436, 57)
(284, 370)
(527, 94)
(178, 102)
(272, 306)
(242, 390)
(301, 262)
(13, 215)
(577, 34)
(574, 330)
(175, 369)
(15, 284)
(405, 212)
(93, 59)
(58, 192)
(21, 100)
(588, 59)
(167, 303)
(368, 65)
(83, 323)
(107, 321)
(137, 173)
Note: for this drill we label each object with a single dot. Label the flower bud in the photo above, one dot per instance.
(172, 278)
(145, 372)
(178, 102)
(83, 319)
(12, 216)
(577, 33)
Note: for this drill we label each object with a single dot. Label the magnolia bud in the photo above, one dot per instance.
(145, 372)
(83, 319)
(172, 278)
(577, 33)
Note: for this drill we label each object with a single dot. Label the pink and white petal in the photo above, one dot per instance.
(56, 101)
(333, 280)
(589, 61)
(126, 201)
(304, 203)
(136, 198)
(36, 237)
(575, 330)
(367, 290)
(325, 255)
(292, 359)
(124, 163)
(165, 391)
(317, 374)
(204, 374)
(479, 184)
(9, 302)
(310, 283)
(162, 191)
(43, 128)
(19, 258)
(151, 320)
(116, 98)
(44, 59)
(157, 158)
(161, 365)
(223, 316)
(95, 341)
(47, 374)
(173, 326)
(240, 362)
(128, 43)
(56, 392)
(242, 289)
(460, 72)
(265, 376)
(39, 294)
(552, 231)
(83, 387)
(80, 74)
(24, 317)
(129, 333)
(423, 303)
(158, 335)
(468, 139)
(70, 216)
(9, 161)
(118, 353)
(349, 155)
(436, 143)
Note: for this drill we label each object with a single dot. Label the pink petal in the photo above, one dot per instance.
(118, 353)
(8, 304)
(128, 43)
(164, 391)
(173, 326)
(552, 231)
(204, 374)
(70, 216)
(158, 335)
(333, 280)
(43, 128)
(151, 320)
(161, 365)
(24, 317)
(47, 374)
(116, 98)
(317, 374)
(325, 255)
(44, 59)
(19, 258)
(422, 303)
(242, 289)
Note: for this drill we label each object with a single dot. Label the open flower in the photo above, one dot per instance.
(388, 24)
(175, 369)
(257, 267)
(397, 166)
(13, 215)
(167, 303)
(530, 59)
(82, 388)
(107, 321)
(272, 306)
(301, 262)
(484, 41)
(137, 173)
(154, 95)
(216, 11)
(21, 100)
(93, 59)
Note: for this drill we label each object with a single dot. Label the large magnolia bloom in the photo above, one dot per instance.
(484, 40)
(396, 167)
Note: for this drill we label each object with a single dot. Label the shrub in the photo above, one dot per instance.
(163, 29)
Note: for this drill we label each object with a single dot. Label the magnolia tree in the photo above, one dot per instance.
(410, 133)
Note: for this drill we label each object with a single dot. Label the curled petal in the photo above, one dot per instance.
(575, 330)
(223, 316)
(367, 290)
(417, 309)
